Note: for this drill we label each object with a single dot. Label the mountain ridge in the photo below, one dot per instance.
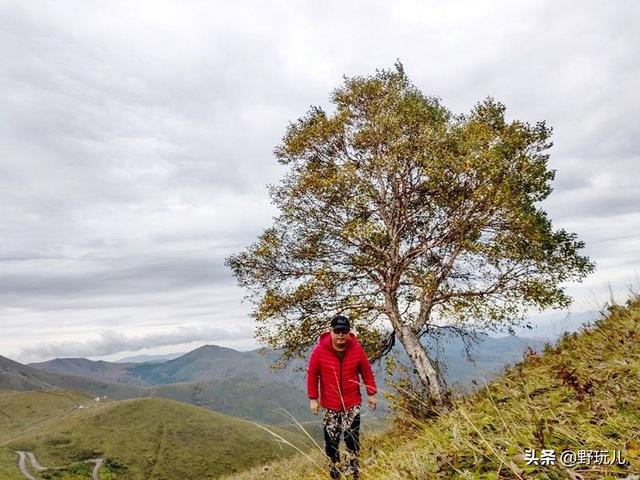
(214, 361)
(16, 376)
(211, 376)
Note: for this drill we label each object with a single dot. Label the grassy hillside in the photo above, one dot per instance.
(583, 394)
(247, 397)
(29, 412)
(8, 468)
(23, 412)
(153, 438)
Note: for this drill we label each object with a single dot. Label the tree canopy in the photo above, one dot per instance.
(396, 211)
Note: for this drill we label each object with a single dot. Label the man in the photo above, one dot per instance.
(336, 361)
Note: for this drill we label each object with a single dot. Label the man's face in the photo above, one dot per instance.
(339, 336)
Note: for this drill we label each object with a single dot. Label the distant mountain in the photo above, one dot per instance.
(150, 358)
(212, 362)
(99, 370)
(259, 398)
(204, 363)
(209, 362)
(551, 326)
(243, 385)
(15, 376)
(489, 356)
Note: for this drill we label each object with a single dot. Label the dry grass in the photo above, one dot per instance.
(582, 394)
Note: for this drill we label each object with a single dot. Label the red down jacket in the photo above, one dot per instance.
(339, 375)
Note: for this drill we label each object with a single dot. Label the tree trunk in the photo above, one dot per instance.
(427, 371)
(429, 375)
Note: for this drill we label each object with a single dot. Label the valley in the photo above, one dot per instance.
(207, 413)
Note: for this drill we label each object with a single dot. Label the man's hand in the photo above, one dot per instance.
(314, 405)
(373, 402)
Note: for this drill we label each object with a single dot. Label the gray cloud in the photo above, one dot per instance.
(608, 194)
(138, 138)
(108, 277)
(110, 341)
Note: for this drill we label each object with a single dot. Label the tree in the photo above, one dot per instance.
(394, 209)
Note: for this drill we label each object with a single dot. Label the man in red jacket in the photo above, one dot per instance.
(336, 361)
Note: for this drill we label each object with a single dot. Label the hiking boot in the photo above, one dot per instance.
(354, 468)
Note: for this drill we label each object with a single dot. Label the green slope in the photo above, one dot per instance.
(245, 397)
(8, 468)
(584, 394)
(154, 438)
(23, 412)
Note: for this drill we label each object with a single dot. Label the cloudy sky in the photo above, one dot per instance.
(137, 139)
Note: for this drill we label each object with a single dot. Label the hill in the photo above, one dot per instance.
(212, 362)
(208, 362)
(204, 363)
(30, 412)
(149, 358)
(154, 438)
(15, 376)
(583, 395)
(27, 411)
(113, 372)
(248, 397)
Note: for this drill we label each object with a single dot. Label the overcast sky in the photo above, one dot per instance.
(137, 140)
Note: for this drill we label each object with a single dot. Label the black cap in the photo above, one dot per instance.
(340, 321)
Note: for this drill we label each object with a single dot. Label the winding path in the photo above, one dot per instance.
(22, 465)
(97, 463)
(34, 462)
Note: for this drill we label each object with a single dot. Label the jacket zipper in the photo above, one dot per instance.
(341, 391)
(340, 359)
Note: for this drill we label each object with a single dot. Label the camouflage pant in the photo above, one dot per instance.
(348, 423)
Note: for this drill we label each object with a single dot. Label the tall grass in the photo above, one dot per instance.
(582, 394)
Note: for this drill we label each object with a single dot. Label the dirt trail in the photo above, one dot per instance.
(22, 465)
(34, 462)
(97, 463)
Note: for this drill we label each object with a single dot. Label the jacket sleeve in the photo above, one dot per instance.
(313, 375)
(367, 374)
